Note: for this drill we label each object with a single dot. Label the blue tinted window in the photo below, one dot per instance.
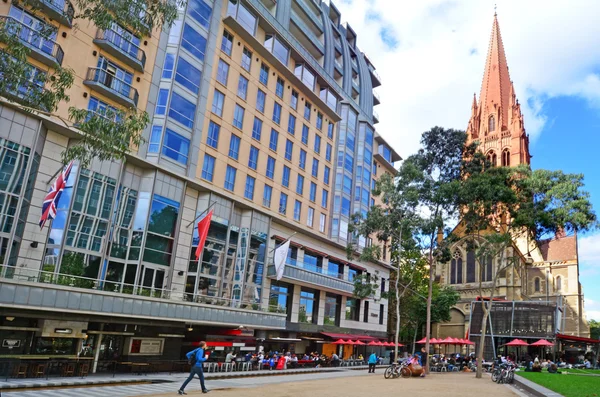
(283, 203)
(253, 158)
(238, 116)
(319, 120)
(234, 147)
(285, 176)
(330, 131)
(345, 206)
(277, 113)
(161, 103)
(294, 100)
(200, 11)
(155, 138)
(350, 141)
(176, 147)
(267, 193)
(264, 74)
(365, 197)
(292, 124)
(208, 167)
(227, 43)
(279, 87)
(307, 108)
(368, 156)
(257, 128)
(222, 72)
(289, 148)
(297, 210)
(324, 198)
(300, 185)
(194, 42)
(373, 184)
(188, 76)
(260, 101)
(305, 134)
(273, 140)
(313, 191)
(328, 152)
(348, 162)
(242, 87)
(317, 144)
(168, 66)
(230, 178)
(270, 167)
(182, 110)
(347, 185)
(326, 175)
(212, 138)
(249, 189)
(315, 168)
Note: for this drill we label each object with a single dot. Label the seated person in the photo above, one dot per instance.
(536, 367)
(587, 364)
(553, 369)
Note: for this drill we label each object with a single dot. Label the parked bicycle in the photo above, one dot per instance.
(504, 373)
(395, 370)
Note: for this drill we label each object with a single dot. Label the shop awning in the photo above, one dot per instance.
(572, 338)
(349, 336)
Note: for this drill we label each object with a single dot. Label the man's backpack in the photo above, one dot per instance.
(193, 358)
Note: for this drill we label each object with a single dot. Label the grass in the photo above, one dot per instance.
(566, 384)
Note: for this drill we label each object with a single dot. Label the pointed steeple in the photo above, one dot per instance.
(495, 88)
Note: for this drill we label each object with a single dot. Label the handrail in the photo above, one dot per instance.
(67, 8)
(375, 115)
(108, 80)
(315, 269)
(119, 40)
(33, 38)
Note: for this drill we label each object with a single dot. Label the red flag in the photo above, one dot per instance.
(53, 196)
(203, 226)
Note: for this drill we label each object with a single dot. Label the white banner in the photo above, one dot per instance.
(280, 257)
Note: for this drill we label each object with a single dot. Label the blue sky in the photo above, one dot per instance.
(431, 54)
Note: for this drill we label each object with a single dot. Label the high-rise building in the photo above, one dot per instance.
(542, 296)
(261, 111)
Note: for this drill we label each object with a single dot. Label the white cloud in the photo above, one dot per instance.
(430, 76)
(589, 250)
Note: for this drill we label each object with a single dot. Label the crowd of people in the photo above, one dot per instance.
(284, 360)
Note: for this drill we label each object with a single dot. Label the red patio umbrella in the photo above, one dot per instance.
(424, 340)
(372, 343)
(446, 341)
(399, 344)
(339, 342)
(543, 343)
(357, 342)
(350, 342)
(379, 343)
(517, 342)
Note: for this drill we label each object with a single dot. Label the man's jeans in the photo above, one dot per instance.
(196, 370)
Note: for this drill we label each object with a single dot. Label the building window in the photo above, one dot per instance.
(208, 167)
(332, 307)
(253, 158)
(297, 210)
(352, 309)
(257, 129)
(155, 138)
(289, 148)
(227, 43)
(310, 217)
(456, 270)
(313, 192)
(319, 121)
(307, 108)
(492, 158)
(492, 124)
(506, 158)
(307, 312)
(329, 98)
(246, 59)
(188, 76)
(267, 193)
(168, 66)
(242, 87)
(300, 185)
(330, 131)
(305, 134)
(536, 284)
(470, 267)
(270, 167)
(366, 311)
(176, 147)
(182, 110)
(212, 138)
(273, 140)
(381, 314)
(322, 220)
(237, 10)
(249, 190)
(294, 100)
(200, 11)
(264, 74)
(230, 178)
(558, 283)
(307, 77)
(285, 176)
(277, 48)
(217, 104)
(326, 172)
(260, 101)
(277, 113)
(315, 168)
(234, 147)
(283, 203)
(279, 297)
(161, 230)
(161, 103)
(279, 87)
(194, 42)
(487, 269)
(292, 124)
(382, 291)
(317, 144)
(324, 198)
(238, 116)
(302, 162)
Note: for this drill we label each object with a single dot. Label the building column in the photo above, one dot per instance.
(97, 351)
(321, 308)
(295, 296)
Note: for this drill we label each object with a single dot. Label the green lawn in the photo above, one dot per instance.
(567, 385)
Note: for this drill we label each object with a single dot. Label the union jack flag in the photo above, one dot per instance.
(53, 196)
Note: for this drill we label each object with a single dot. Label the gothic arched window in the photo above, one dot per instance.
(492, 158)
(487, 269)
(506, 158)
(536, 284)
(456, 264)
(559, 283)
(470, 267)
(491, 124)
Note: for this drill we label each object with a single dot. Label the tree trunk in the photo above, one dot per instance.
(428, 321)
(398, 293)
(480, 348)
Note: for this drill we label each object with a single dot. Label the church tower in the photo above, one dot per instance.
(496, 122)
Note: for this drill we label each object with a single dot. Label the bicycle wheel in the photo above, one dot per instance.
(495, 376)
(406, 372)
(510, 377)
(389, 371)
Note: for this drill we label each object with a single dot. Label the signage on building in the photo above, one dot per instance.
(374, 315)
(11, 343)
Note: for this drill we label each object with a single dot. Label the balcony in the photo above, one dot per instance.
(59, 10)
(311, 276)
(43, 50)
(23, 288)
(375, 78)
(375, 117)
(376, 98)
(114, 88)
(122, 48)
(28, 93)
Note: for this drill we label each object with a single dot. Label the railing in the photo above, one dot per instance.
(27, 91)
(128, 47)
(108, 80)
(63, 7)
(73, 281)
(376, 95)
(33, 38)
(375, 115)
(317, 269)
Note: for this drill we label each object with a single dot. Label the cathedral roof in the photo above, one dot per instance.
(559, 249)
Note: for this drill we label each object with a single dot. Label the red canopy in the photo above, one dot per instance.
(432, 341)
(399, 344)
(359, 343)
(517, 342)
(339, 342)
(372, 343)
(542, 342)
(447, 341)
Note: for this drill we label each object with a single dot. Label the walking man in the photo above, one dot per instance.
(196, 359)
(372, 362)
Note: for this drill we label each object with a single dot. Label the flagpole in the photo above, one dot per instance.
(284, 241)
(203, 212)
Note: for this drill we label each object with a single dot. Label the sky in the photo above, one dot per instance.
(430, 55)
